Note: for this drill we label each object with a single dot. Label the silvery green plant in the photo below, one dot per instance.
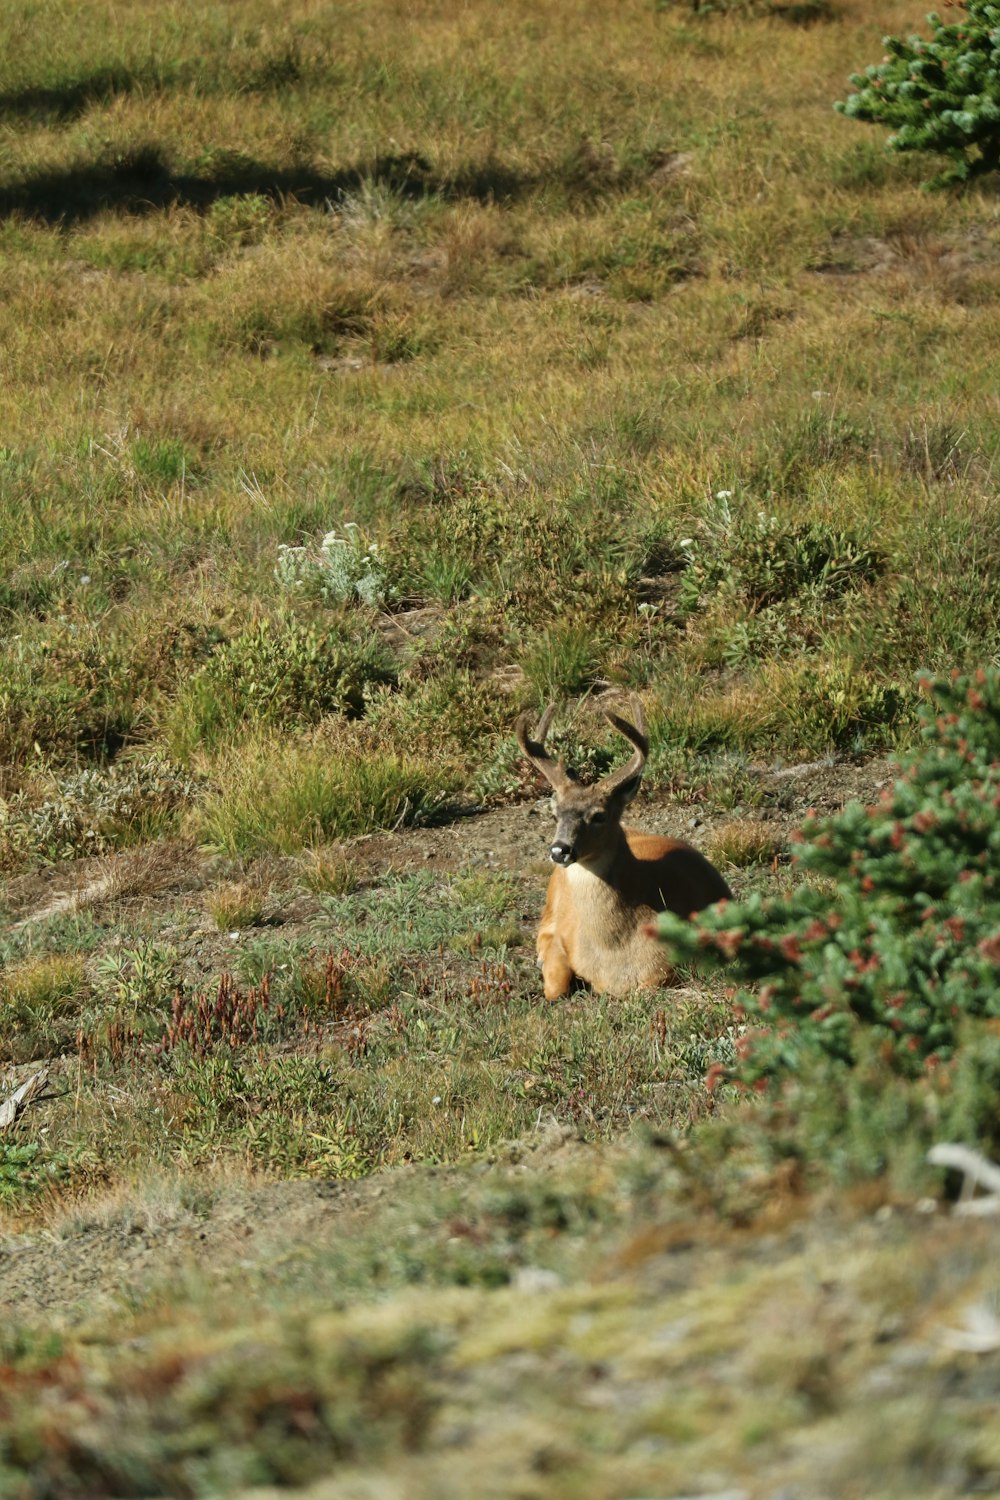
(96, 809)
(346, 569)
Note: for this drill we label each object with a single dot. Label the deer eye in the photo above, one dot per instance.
(597, 817)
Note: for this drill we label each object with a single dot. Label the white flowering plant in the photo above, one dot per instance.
(347, 568)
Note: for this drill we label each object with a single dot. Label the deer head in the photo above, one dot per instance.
(588, 818)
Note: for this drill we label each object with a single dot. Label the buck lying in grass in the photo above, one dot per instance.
(609, 881)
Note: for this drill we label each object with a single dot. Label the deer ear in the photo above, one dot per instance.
(627, 789)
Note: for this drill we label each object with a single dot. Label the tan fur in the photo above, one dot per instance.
(591, 926)
(610, 882)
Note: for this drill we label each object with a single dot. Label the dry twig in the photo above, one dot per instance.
(18, 1101)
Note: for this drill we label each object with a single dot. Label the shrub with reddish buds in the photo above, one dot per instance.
(230, 1017)
(940, 93)
(905, 953)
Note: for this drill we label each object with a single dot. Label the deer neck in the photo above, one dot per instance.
(606, 866)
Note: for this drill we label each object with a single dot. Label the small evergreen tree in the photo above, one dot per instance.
(895, 941)
(940, 93)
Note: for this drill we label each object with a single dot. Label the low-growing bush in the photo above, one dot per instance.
(277, 672)
(869, 1120)
(95, 810)
(751, 557)
(565, 659)
(70, 690)
(445, 713)
(834, 705)
(894, 939)
(132, 997)
(27, 1167)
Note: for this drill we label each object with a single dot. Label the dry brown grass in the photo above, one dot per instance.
(745, 841)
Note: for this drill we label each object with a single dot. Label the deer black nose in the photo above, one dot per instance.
(562, 854)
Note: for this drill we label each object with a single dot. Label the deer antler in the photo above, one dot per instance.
(636, 735)
(534, 748)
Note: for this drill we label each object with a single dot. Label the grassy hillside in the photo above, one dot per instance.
(372, 372)
(520, 296)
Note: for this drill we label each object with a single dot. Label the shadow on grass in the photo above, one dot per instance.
(68, 99)
(142, 181)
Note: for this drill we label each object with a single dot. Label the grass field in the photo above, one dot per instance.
(374, 372)
(660, 376)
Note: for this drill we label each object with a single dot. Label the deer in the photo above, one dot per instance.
(609, 881)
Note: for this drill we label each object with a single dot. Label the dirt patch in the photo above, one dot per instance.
(109, 1251)
(103, 1254)
(922, 257)
(510, 837)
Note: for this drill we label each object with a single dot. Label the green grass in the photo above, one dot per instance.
(450, 340)
(422, 913)
(282, 797)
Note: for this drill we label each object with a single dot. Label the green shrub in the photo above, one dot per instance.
(549, 555)
(446, 714)
(564, 659)
(756, 560)
(868, 1120)
(28, 1168)
(137, 980)
(836, 705)
(70, 690)
(896, 937)
(940, 93)
(277, 672)
(762, 588)
(240, 218)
